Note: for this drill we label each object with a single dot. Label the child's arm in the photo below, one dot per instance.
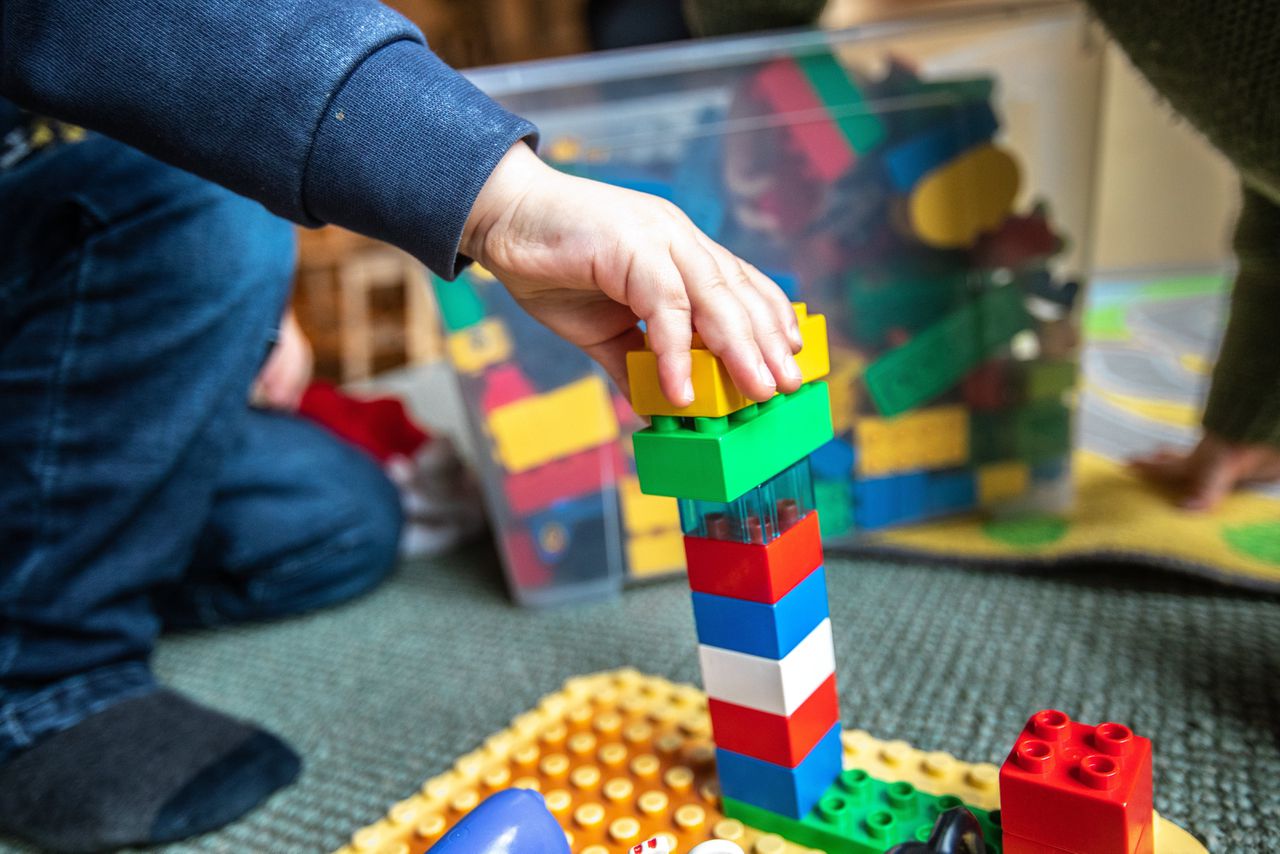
(335, 111)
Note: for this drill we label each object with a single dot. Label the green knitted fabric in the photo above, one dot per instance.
(1218, 64)
(1244, 400)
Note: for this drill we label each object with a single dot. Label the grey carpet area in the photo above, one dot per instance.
(384, 692)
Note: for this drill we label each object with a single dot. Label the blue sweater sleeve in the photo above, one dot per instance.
(326, 111)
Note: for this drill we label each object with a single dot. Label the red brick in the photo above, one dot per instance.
(759, 573)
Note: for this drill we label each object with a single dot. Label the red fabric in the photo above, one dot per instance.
(380, 426)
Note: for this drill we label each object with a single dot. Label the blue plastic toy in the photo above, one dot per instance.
(514, 821)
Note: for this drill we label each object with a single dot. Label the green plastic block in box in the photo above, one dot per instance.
(859, 814)
(936, 359)
(848, 105)
(1043, 431)
(460, 305)
(833, 499)
(718, 459)
(1037, 432)
(993, 436)
(1050, 379)
(881, 300)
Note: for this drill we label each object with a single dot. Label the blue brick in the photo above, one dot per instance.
(883, 501)
(964, 128)
(769, 631)
(832, 461)
(786, 791)
(951, 491)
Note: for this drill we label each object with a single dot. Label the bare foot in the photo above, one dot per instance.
(1207, 474)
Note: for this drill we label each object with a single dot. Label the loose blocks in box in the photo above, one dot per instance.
(536, 430)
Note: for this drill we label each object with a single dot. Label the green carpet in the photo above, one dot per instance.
(383, 693)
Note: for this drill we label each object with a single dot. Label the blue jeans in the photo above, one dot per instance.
(137, 488)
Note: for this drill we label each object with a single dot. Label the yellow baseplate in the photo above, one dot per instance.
(621, 756)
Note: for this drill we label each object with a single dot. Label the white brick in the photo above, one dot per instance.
(776, 687)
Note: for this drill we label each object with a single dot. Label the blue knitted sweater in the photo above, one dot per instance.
(326, 111)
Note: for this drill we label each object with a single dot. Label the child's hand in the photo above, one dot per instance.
(588, 260)
(287, 372)
(1207, 474)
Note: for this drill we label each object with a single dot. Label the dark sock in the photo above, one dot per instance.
(151, 769)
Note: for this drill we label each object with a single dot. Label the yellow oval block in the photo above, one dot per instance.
(955, 203)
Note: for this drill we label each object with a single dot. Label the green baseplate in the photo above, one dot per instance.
(621, 756)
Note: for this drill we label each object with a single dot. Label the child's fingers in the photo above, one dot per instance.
(779, 306)
(779, 302)
(659, 298)
(722, 320)
(766, 326)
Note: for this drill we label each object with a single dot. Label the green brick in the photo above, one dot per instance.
(1043, 431)
(936, 359)
(859, 814)
(993, 437)
(833, 500)
(1049, 379)
(460, 305)
(718, 459)
(1037, 432)
(884, 299)
(848, 105)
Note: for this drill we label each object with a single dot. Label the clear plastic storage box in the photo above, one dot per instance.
(923, 183)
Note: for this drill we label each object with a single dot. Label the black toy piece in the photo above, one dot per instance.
(956, 831)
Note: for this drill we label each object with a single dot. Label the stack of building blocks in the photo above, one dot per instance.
(754, 555)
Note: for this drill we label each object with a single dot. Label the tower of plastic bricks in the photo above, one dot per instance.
(741, 473)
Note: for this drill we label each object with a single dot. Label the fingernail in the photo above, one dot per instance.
(766, 376)
(797, 340)
(792, 370)
(686, 392)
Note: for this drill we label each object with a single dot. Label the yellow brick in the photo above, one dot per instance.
(1000, 481)
(646, 514)
(933, 438)
(655, 554)
(714, 393)
(973, 193)
(846, 367)
(477, 347)
(546, 427)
